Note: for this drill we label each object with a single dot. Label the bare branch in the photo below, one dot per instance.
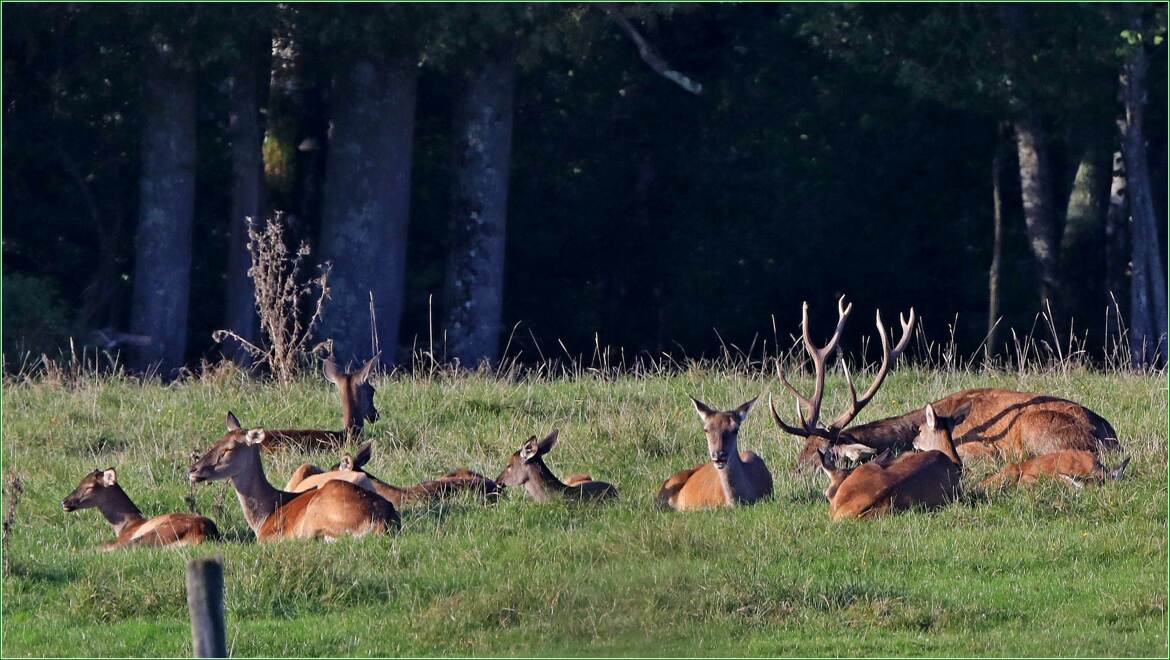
(651, 56)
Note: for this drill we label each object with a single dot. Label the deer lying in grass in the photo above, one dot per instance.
(1001, 424)
(732, 477)
(357, 408)
(928, 478)
(526, 467)
(307, 477)
(1073, 465)
(335, 509)
(100, 489)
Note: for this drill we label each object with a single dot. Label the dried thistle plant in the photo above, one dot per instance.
(281, 300)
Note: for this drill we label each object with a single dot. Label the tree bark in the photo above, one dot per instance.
(1081, 256)
(246, 137)
(993, 273)
(1116, 231)
(474, 287)
(162, 268)
(1148, 287)
(367, 205)
(1039, 214)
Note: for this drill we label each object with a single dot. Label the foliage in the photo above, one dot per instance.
(35, 319)
(1035, 572)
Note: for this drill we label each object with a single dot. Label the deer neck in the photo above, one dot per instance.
(258, 498)
(732, 478)
(118, 509)
(897, 431)
(542, 484)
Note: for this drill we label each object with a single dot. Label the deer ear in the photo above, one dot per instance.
(703, 409)
(742, 411)
(367, 369)
(332, 371)
(346, 464)
(254, 436)
(931, 418)
(960, 414)
(530, 449)
(233, 424)
(364, 454)
(109, 477)
(548, 443)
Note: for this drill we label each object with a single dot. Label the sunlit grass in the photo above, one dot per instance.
(1048, 571)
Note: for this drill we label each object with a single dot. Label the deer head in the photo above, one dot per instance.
(235, 453)
(91, 491)
(825, 438)
(357, 394)
(937, 431)
(517, 472)
(722, 430)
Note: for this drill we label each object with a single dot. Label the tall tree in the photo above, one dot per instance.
(162, 264)
(1148, 287)
(367, 203)
(246, 134)
(474, 287)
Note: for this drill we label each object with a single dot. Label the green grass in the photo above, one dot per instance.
(1048, 571)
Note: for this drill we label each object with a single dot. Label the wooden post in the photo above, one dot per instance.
(205, 602)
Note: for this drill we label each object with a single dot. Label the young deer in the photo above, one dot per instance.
(1073, 465)
(928, 478)
(100, 489)
(833, 438)
(335, 509)
(732, 477)
(526, 468)
(307, 477)
(357, 408)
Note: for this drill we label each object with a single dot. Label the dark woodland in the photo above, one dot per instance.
(534, 181)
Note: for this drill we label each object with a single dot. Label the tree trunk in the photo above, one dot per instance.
(474, 285)
(1116, 230)
(1039, 214)
(992, 341)
(367, 205)
(1148, 288)
(1081, 256)
(162, 267)
(246, 135)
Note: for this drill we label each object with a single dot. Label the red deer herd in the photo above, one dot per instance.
(911, 460)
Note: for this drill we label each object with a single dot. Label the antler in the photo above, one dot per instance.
(808, 425)
(888, 356)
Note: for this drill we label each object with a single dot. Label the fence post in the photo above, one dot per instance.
(205, 602)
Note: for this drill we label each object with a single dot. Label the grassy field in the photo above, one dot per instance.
(1048, 571)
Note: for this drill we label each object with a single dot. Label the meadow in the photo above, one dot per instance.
(1043, 571)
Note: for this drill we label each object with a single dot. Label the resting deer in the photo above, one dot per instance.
(928, 478)
(1073, 465)
(732, 477)
(527, 468)
(335, 509)
(357, 408)
(307, 477)
(832, 438)
(1002, 424)
(100, 489)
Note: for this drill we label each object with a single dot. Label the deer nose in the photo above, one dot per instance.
(719, 456)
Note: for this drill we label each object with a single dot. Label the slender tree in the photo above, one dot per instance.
(1148, 287)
